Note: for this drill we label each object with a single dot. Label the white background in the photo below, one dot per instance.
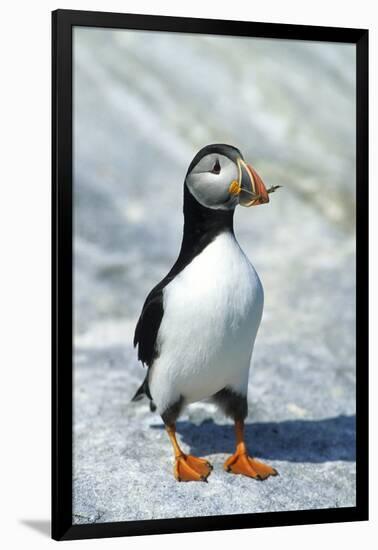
(25, 268)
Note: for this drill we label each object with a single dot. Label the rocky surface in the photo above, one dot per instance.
(144, 104)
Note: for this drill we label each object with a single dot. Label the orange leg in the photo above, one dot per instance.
(187, 467)
(241, 463)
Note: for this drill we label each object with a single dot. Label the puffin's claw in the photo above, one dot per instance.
(191, 468)
(241, 463)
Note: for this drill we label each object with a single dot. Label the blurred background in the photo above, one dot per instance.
(144, 104)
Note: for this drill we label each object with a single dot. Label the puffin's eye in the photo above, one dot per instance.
(216, 168)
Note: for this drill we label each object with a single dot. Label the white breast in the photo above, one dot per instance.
(212, 311)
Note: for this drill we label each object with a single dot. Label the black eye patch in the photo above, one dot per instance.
(216, 168)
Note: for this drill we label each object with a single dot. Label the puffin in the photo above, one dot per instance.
(197, 328)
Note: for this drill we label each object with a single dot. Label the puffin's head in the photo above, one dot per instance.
(219, 178)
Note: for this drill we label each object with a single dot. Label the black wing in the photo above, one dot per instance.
(149, 322)
(148, 326)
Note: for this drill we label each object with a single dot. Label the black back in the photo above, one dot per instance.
(201, 226)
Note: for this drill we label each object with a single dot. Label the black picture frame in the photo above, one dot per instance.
(62, 288)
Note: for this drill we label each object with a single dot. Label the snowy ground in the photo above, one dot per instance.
(143, 107)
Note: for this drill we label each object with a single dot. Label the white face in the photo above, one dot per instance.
(210, 180)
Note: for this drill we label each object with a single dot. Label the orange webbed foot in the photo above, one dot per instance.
(191, 468)
(241, 463)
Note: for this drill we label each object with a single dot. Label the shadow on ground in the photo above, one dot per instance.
(315, 441)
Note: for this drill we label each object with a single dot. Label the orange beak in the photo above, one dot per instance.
(252, 188)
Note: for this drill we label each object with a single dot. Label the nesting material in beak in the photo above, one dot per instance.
(252, 188)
